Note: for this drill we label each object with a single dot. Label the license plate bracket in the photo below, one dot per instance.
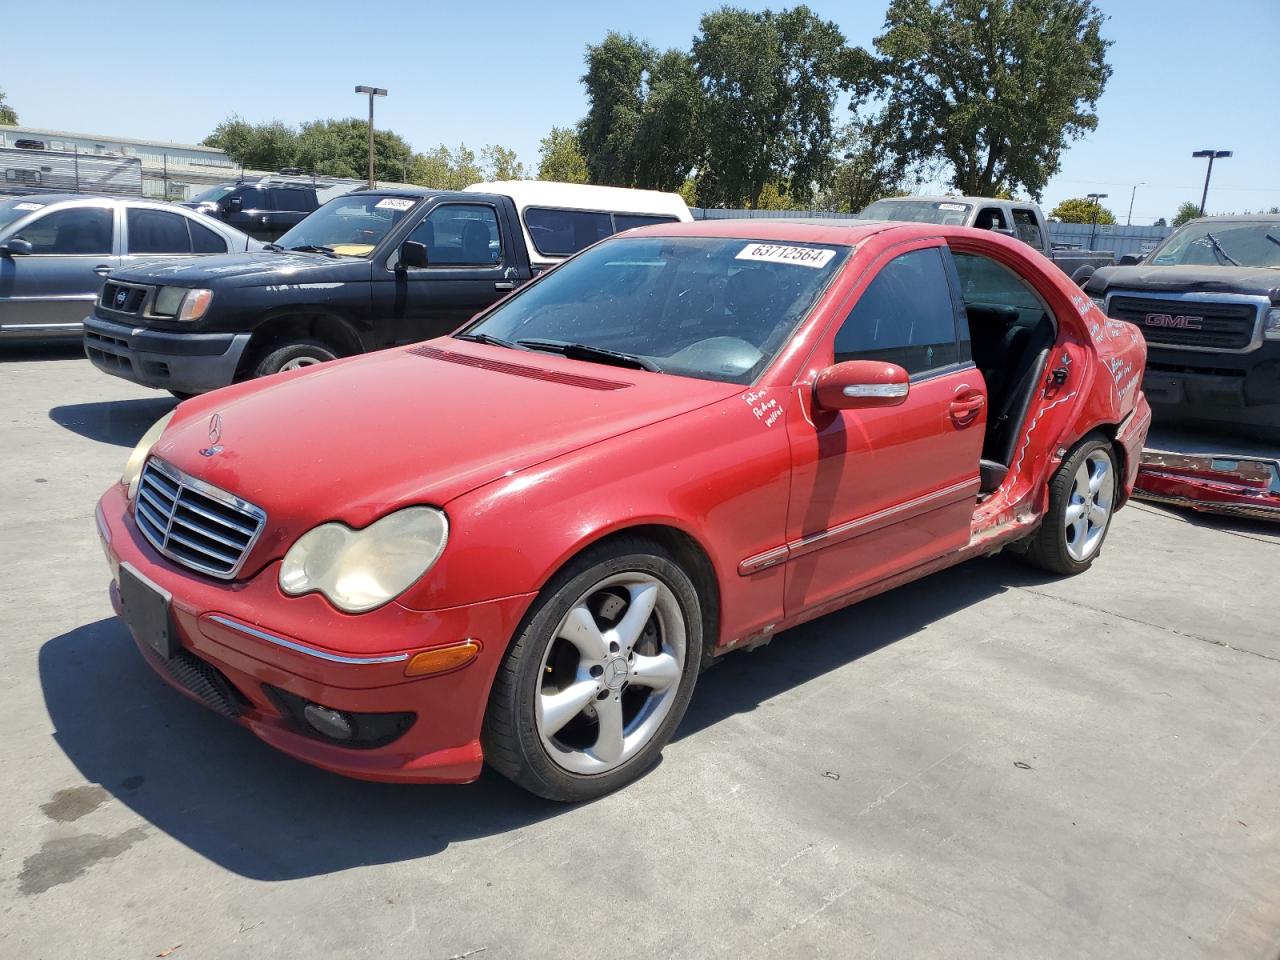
(147, 612)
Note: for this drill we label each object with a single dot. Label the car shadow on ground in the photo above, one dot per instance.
(27, 351)
(121, 422)
(215, 788)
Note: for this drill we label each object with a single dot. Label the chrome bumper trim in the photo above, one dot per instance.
(257, 634)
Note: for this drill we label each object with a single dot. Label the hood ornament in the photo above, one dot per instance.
(215, 437)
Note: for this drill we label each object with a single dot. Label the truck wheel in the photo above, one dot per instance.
(598, 676)
(1082, 499)
(293, 356)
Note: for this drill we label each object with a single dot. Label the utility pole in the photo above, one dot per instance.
(1129, 219)
(1093, 220)
(372, 92)
(1212, 155)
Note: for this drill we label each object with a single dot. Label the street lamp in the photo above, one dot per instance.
(1093, 220)
(1212, 155)
(1129, 219)
(372, 92)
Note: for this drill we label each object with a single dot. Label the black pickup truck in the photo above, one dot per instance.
(1208, 302)
(368, 270)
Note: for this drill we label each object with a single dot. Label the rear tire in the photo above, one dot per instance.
(1082, 499)
(599, 675)
(293, 356)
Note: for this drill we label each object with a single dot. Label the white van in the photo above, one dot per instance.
(559, 219)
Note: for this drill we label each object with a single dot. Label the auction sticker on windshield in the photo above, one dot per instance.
(394, 203)
(815, 257)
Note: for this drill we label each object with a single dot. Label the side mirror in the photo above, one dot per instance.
(858, 384)
(16, 247)
(413, 254)
(1129, 260)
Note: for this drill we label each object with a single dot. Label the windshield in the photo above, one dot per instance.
(918, 211)
(11, 210)
(709, 308)
(352, 225)
(213, 194)
(1244, 243)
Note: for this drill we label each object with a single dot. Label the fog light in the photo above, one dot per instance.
(332, 723)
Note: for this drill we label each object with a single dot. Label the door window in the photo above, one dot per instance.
(905, 316)
(251, 198)
(83, 231)
(204, 240)
(460, 235)
(155, 231)
(1024, 221)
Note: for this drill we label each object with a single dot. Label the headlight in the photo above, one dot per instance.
(133, 466)
(1271, 329)
(359, 570)
(182, 303)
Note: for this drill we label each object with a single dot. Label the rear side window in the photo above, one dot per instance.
(83, 231)
(154, 231)
(562, 233)
(1024, 221)
(905, 316)
(625, 221)
(292, 201)
(204, 240)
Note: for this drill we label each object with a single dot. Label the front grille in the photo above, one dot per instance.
(195, 523)
(1189, 324)
(123, 297)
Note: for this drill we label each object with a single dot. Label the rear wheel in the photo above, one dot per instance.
(600, 675)
(1082, 498)
(294, 356)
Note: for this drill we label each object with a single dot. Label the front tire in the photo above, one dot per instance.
(1082, 499)
(293, 356)
(599, 675)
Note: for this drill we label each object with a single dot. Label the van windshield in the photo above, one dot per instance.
(351, 226)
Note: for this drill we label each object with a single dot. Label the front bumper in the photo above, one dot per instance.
(255, 637)
(1228, 388)
(183, 362)
(1221, 483)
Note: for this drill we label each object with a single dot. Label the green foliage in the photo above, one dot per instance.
(1187, 211)
(445, 169)
(258, 146)
(501, 164)
(769, 83)
(7, 113)
(865, 173)
(995, 87)
(689, 192)
(1081, 210)
(340, 148)
(560, 159)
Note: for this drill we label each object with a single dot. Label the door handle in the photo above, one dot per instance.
(102, 269)
(963, 409)
(504, 285)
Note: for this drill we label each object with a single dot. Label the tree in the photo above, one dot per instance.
(501, 164)
(865, 173)
(996, 87)
(7, 113)
(1081, 210)
(1160, 223)
(262, 146)
(560, 159)
(667, 140)
(1188, 210)
(340, 148)
(769, 83)
(445, 169)
(614, 81)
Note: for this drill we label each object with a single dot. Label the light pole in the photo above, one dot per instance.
(1129, 219)
(1093, 220)
(372, 92)
(1212, 155)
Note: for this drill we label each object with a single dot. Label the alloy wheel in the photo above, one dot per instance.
(1089, 508)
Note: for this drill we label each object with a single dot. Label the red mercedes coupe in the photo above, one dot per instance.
(519, 544)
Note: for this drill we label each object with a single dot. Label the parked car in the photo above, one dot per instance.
(267, 207)
(368, 270)
(559, 219)
(1013, 218)
(521, 543)
(56, 249)
(1208, 302)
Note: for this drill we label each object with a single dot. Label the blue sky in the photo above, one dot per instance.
(1188, 75)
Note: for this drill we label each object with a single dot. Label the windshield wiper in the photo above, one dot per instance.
(316, 248)
(489, 339)
(1272, 239)
(275, 247)
(1218, 249)
(583, 351)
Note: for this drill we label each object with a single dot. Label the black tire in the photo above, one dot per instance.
(295, 352)
(1048, 546)
(183, 396)
(512, 744)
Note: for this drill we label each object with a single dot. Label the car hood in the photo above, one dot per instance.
(354, 439)
(253, 269)
(1255, 281)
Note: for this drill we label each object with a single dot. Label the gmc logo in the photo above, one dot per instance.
(1166, 320)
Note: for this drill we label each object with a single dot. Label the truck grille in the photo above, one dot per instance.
(194, 523)
(122, 297)
(1189, 324)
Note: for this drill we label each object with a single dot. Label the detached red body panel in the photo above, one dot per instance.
(1212, 483)
(533, 457)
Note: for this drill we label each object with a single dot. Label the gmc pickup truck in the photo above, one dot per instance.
(1208, 302)
(370, 269)
(1011, 217)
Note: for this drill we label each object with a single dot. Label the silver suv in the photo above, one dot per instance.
(56, 249)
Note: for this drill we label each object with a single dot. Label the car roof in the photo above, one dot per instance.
(585, 196)
(1239, 218)
(937, 198)
(48, 198)
(800, 230)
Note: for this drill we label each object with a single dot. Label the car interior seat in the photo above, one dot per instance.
(1024, 356)
(475, 243)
